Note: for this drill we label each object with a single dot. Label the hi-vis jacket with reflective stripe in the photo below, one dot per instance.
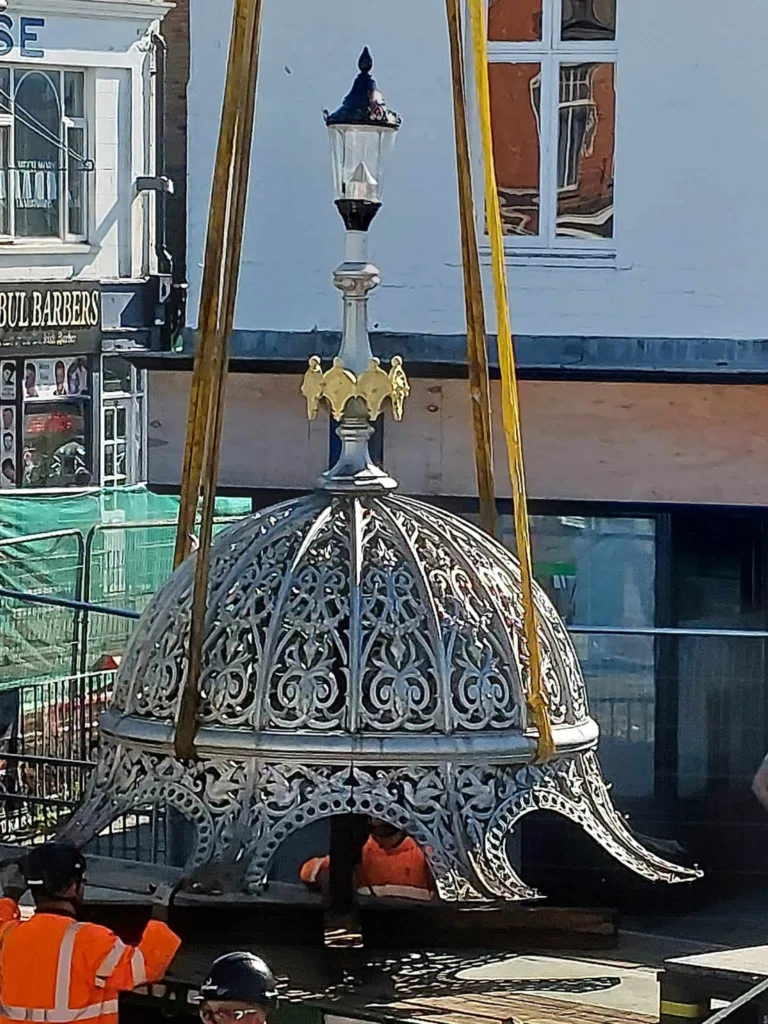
(400, 872)
(54, 969)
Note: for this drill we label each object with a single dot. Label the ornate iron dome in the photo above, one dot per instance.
(363, 653)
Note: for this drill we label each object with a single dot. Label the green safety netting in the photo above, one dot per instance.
(112, 547)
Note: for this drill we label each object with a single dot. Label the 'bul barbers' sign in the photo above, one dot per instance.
(44, 316)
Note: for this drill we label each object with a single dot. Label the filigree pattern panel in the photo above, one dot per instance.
(399, 665)
(478, 652)
(499, 573)
(306, 657)
(246, 597)
(153, 671)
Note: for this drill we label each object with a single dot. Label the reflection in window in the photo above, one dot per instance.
(515, 92)
(596, 571)
(602, 572)
(37, 167)
(585, 151)
(589, 19)
(5, 90)
(76, 180)
(118, 375)
(74, 94)
(43, 154)
(123, 432)
(76, 152)
(514, 21)
(5, 170)
(553, 111)
(55, 452)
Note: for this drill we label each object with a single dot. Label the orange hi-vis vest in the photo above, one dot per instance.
(55, 970)
(401, 872)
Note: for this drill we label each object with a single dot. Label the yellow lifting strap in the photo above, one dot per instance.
(477, 349)
(535, 697)
(217, 310)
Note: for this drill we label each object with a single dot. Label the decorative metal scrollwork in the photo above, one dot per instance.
(461, 815)
(362, 654)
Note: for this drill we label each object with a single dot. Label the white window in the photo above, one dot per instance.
(123, 452)
(44, 162)
(552, 70)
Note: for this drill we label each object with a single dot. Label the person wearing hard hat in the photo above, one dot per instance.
(57, 969)
(239, 987)
(392, 865)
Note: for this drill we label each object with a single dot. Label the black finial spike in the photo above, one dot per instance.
(366, 61)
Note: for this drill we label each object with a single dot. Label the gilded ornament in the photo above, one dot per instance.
(312, 386)
(374, 386)
(339, 386)
(399, 387)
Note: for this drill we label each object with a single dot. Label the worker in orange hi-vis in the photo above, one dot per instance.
(392, 865)
(56, 969)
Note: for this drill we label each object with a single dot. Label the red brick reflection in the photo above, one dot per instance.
(514, 21)
(514, 98)
(587, 114)
(589, 19)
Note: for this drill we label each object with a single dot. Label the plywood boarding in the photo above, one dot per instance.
(685, 443)
(268, 441)
(596, 441)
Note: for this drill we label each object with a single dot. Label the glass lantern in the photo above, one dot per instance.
(360, 155)
(362, 134)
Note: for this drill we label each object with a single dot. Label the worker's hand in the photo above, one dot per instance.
(160, 912)
(13, 882)
(163, 896)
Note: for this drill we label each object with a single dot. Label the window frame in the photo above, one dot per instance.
(550, 52)
(66, 124)
(135, 406)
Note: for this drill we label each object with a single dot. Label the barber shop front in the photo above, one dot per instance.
(71, 415)
(85, 276)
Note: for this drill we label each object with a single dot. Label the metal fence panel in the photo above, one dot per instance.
(125, 565)
(37, 642)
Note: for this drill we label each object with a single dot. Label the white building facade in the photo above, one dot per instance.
(83, 275)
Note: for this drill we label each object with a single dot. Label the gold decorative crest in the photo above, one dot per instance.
(338, 385)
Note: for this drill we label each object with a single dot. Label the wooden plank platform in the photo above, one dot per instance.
(449, 986)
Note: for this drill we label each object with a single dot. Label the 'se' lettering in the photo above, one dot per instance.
(28, 35)
(6, 39)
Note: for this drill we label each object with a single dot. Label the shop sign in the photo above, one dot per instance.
(21, 33)
(40, 318)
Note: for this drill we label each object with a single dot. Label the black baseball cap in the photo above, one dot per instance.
(51, 869)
